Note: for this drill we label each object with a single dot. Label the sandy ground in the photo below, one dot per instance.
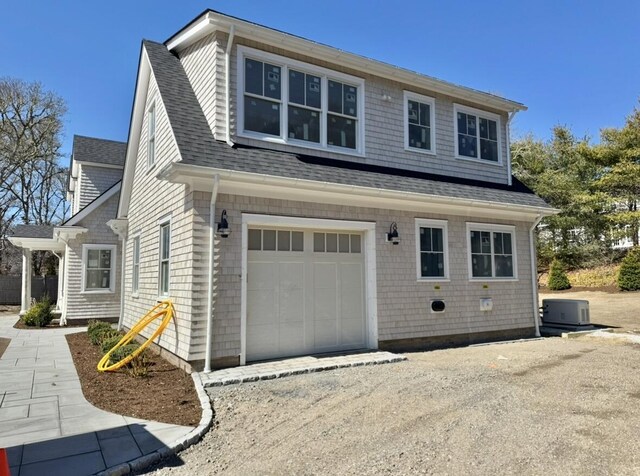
(621, 310)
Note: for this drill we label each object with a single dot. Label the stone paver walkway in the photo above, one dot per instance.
(47, 425)
(295, 366)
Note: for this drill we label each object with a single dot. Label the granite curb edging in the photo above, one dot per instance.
(180, 444)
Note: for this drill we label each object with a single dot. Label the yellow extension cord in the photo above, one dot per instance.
(164, 308)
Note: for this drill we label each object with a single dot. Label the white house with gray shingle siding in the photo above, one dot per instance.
(291, 198)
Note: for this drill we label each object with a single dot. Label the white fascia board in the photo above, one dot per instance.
(82, 214)
(212, 21)
(36, 244)
(139, 102)
(267, 186)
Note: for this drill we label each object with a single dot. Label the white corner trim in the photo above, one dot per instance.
(112, 268)
(431, 102)
(91, 207)
(369, 247)
(491, 227)
(444, 226)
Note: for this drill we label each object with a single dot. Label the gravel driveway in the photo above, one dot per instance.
(551, 406)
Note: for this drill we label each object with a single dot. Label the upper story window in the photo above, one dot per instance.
(151, 140)
(432, 249)
(492, 251)
(477, 134)
(286, 101)
(419, 123)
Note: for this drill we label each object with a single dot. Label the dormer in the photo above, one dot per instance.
(96, 165)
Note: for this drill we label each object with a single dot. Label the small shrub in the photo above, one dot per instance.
(39, 315)
(98, 330)
(558, 279)
(109, 342)
(629, 274)
(138, 367)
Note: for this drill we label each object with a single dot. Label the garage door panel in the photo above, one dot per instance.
(325, 335)
(263, 341)
(291, 338)
(261, 306)
(324, 305)
(262, 276)
(325, 275)
(352, 332)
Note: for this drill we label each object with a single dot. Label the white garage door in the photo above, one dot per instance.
(305, 292)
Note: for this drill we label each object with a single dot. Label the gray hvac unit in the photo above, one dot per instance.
(573, 312)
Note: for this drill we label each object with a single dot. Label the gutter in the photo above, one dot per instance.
(534, 276)
(123, 253)
(212, 265)
(510, 118)
(227, 83)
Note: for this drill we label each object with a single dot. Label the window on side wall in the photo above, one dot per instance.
(289, 102)
(135, 278)
(98, 268)
(151, 139)
(477, 134)
(432, 249)
(419, 123)
(492, 251)
(165, 259)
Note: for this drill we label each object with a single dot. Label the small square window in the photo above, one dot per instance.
(432, 249)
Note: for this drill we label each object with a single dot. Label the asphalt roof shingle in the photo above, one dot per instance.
(101, 151)
(198, 147)
(33, 231)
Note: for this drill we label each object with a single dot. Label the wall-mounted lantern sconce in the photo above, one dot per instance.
(223, 226)
(393, 236)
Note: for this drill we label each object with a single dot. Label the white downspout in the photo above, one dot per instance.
(122, 263)
(534, 275)
(227, 83)
(211, 286)
(510, 118)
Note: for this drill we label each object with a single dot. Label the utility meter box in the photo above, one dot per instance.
(573, 312)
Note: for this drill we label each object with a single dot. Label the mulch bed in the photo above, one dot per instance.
(4, 343)
(604, 289)
(166, 394)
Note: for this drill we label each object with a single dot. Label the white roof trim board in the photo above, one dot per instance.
(82, 214)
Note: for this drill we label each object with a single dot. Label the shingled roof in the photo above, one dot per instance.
(33, 231)
(198, 147)
(100, 151)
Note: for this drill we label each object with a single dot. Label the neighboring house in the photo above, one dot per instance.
(291, 198)
(89, 269)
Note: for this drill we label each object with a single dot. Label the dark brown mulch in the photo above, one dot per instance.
(167, 394)
(4, 343)
(604, 289)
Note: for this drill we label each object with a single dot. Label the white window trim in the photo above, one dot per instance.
(480, 114)
(112, 276)
(491, 228)
(430, 223)
(135, 287)
(325, 74)
(152, 108)
(162, 222)
(411, 96)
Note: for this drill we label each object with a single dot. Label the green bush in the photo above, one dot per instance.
(558, 279)
(109, 342)
(139, 366)
(629, 274)
(39, 315)
(98, 331)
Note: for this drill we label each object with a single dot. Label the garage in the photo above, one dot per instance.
(305, 292)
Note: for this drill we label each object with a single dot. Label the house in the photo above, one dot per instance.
(291, 198)
(89, 272)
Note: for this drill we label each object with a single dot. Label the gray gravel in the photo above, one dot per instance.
(545, 407)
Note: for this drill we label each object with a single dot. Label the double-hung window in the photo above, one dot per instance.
(492, 251)
(151, 139)
(135, 278)
(287, 101)
(165, 258)
(477, 134)
(419, 122)
(432, 249)
(98, 268)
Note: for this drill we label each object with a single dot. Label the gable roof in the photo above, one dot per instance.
(99, 151)
(198, 147)
(93, 205)
(33, 231)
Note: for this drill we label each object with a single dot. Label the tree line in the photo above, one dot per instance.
(596, 187)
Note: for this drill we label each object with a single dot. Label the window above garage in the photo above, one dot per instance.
(290, 102)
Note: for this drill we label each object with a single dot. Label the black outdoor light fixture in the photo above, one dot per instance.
(392, 236)
(223, 226)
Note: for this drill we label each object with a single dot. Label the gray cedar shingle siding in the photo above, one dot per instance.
(101, 151)
(95, 181)
(197, 147)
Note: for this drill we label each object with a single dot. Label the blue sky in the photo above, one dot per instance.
(575, 63)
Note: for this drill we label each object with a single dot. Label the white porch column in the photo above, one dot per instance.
(60, 282)
(26, 280)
